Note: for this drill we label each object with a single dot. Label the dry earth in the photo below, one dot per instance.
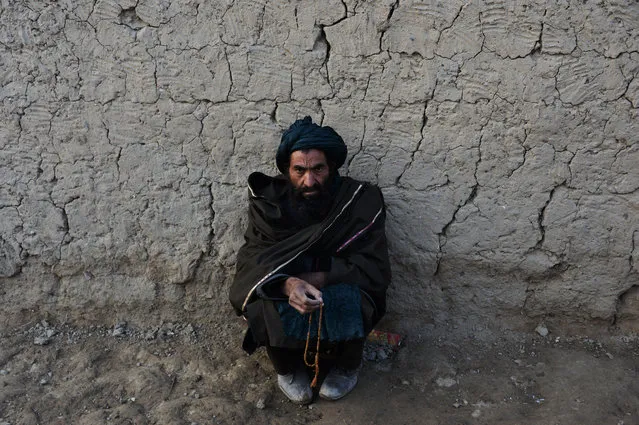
(181, 373)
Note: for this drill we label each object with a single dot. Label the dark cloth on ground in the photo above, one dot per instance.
(350, 240)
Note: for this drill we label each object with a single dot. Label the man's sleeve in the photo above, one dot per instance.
(365, 262)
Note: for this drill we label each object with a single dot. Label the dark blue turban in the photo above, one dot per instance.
(303, 134)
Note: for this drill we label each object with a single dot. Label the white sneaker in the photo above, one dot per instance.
(296, 386)
(338, 383)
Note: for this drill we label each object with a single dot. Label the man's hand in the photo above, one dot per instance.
(302, 296)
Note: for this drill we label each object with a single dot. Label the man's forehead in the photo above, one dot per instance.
(308, 157)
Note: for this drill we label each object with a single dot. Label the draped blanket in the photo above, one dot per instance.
(352, 236)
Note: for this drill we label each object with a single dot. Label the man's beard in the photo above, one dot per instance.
(315, 207)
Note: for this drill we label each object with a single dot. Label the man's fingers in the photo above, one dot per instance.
(304, 297)
(303, 304)
(314, 294)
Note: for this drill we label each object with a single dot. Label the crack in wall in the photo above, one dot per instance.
(633, 252)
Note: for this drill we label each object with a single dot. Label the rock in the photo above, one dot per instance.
(261, 404)
(542, 330)
(41, 340)
(446, 382)
(120, 329)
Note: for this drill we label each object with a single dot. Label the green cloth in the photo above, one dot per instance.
(341, 316)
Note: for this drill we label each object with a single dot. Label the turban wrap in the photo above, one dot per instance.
(304, 134)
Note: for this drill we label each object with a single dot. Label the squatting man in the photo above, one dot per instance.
(312, 275)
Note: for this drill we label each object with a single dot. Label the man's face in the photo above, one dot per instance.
(309, 172)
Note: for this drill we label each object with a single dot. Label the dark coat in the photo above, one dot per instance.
(352, 237)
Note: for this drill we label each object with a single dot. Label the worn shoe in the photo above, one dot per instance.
(338, 383)
(296, 386)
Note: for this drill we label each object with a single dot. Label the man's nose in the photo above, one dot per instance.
(309, 179)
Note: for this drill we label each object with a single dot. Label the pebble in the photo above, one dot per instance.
(261, 404)
(445, 382)
(459, 404)
(3, 372)
(476, 413)
(542, 330)
(119, 329)
(41, 340)
(610, 356)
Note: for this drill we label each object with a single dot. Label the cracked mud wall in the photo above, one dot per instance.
(504, 135)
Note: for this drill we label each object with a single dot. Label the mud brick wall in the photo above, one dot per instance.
(504, 134)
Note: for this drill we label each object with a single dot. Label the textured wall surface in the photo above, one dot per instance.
(505, 136)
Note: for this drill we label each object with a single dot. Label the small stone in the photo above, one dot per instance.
(610, 356)
(44, 381)
(542, 330)
(119, 329)
(476, 413)
(405, 382)
(381, 354)
(445, 382)
(261, 404)
(3, 372)
(518, 362)
(41, 340)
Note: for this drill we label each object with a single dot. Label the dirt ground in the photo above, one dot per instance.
(180, 373)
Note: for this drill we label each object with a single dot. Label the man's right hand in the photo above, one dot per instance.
(302, 296)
